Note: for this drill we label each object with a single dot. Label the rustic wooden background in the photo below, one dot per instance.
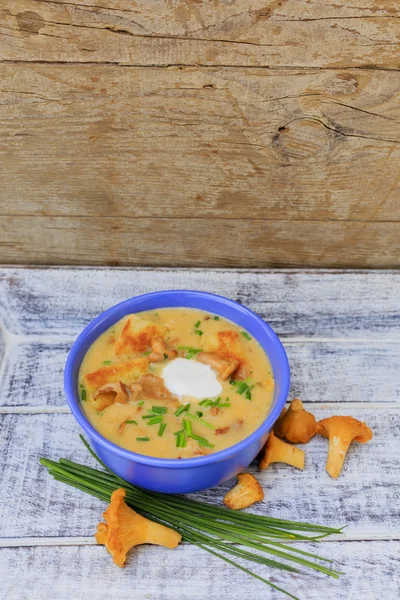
(208, 133)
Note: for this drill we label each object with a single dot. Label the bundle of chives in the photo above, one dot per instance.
(207, 526)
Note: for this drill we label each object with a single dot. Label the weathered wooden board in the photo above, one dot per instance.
(341, 331)
(31, 375)
(55, 304)
(215, 143)
(364, 496)
(159, 166)
(261, 32)
(193, 241)
(191, 574)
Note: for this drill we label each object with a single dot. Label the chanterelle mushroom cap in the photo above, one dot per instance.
(223, 366)
(124, 529)
(278, 451)
(110, 393)
(160, 351)
(341, 431)
(296, 425)
(245, 493)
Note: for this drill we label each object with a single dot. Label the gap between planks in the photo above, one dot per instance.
(102, 63)
(362, 536)
(265, 271)
(34, 410)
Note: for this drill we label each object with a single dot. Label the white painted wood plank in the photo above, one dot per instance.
(365, 496)
(189, 573)
(353, 372)
(32, 374)
(363, 305)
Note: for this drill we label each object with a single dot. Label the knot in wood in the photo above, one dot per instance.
(304, 139)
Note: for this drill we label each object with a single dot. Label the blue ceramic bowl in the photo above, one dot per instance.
(174, 476)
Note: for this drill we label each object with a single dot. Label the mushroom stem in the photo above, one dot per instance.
(160, 535)
(278, 451)
(337, 450)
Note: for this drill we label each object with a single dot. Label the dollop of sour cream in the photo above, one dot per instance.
(183, 377)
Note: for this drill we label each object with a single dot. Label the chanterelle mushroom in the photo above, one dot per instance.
(278, 451)
(161, 351)
(224, 367)
(296, 425)
(341, 431)
(245, 493)
(153, 387)
(110, 393)
(124, 529)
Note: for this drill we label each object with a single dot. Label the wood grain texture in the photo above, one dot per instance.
(260, 32)
(82, 141)
(99, 241)
(54, 305)
(364, 496)
(149, 135)
(158, 574)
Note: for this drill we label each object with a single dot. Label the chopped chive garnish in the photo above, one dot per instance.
(146, 353)
(198, 438)
(198, 332)
(130, 422)
(141, 403)
(143, 439)
(155, 420)
(181, 409)
(149, 416)
(202, 441)
(165, 356)
(199, 413)
(161, 410)
(227, 404)
(187, 425)
(83, 395)
(246, 335)
(178, 432)
(197, 325)
(107, 362)
(187, 348)
(204, 402)
(161, 429)
(181, 439)
(215, 318)
(200, 421)
(190, 352)
(242, 388)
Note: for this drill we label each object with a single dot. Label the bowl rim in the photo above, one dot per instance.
(70, 386)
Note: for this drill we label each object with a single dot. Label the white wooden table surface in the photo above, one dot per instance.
(341, 331)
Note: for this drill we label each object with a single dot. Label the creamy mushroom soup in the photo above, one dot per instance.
(175, 383)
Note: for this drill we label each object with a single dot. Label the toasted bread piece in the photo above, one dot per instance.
(127, 371)
(137, 334)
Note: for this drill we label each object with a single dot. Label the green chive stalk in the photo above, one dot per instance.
(216, 530)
